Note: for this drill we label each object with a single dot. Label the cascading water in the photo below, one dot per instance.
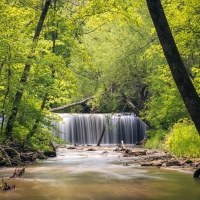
(87, 128)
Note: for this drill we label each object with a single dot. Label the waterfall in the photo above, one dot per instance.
(87, 128)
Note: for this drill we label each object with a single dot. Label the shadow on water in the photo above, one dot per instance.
(82, 175)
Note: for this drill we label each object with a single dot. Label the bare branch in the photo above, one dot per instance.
(76, 103)
(71, 105)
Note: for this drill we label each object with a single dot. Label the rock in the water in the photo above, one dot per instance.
(91, 149)
(157, 163)
(105, 152)
(173, 163)
(50, 153)
(71, 147)
(197, 173)
(125, 164)
(146, 164)
(130, 153)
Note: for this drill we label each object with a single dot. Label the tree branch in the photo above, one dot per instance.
(76, 103)
(71, 105)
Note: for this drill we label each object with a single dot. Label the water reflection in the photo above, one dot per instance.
(82, 175)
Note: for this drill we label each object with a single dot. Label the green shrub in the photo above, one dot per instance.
(41, 140)
(183, 140)
(156, 138)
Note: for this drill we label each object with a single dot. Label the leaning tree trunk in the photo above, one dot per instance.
(178, 70)
(23, 80)
(102, 134)
(45, 98)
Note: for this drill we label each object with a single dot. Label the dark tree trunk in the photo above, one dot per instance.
(178, 70)
(102, 134)
(19, 94)
(45, 98)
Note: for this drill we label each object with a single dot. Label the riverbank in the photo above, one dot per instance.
(16, 155)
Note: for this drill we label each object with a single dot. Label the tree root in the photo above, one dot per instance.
(18, 173)
(10, 156)
(5, 186)
(13, 156)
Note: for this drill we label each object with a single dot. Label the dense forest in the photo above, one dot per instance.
(95, 56)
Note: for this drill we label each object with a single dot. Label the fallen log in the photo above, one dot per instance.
(71, 105)
(77, 103)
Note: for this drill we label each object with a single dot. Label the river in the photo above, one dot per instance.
(96, 175)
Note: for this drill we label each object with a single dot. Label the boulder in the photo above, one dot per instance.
(71, 147)
(91, 149)
(157, 163)
(171, 163)
(146, 164)
(197, 173)
(50, 153)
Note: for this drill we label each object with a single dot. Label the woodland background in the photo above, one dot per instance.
(104, 54)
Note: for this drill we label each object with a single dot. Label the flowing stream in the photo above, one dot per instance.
(78, 174)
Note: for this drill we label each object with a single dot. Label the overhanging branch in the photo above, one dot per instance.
(71, 105)
(77, 103)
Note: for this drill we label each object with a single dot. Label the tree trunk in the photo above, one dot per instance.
(178, 70)
(102, 134)
(45, 98)
(19, 94)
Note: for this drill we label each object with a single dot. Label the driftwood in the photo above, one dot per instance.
(18, 173)
(122, 144)
(5, 186)
(102, 133)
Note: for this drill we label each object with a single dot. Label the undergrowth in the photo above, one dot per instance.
(155, 139)
(183, 140)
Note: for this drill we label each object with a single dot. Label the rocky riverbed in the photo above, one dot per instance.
(144, 157)
(99, 173)
(132, 154)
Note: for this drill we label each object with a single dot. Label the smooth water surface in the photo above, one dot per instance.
(94, 175)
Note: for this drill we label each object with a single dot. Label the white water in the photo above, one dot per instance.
(87, 128)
